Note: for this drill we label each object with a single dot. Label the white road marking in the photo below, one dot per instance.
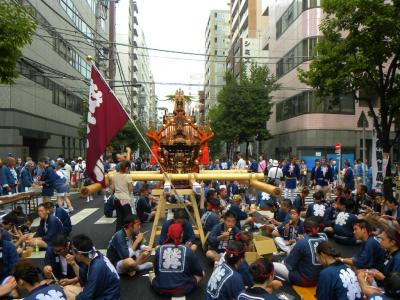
(84, 213)
(105, 220)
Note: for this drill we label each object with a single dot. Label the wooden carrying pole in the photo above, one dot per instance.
(253, 178)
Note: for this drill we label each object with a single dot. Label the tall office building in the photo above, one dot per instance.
(300, 124)
(217, 43)
(40, 114)
(145, 83)
(134, 78)
(246, 24)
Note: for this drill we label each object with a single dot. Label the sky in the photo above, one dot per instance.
(174, 25)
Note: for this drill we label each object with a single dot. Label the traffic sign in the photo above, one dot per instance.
(338, 148)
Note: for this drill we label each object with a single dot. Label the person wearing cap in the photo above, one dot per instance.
(336, 280)
(10, 177)
(188, 238)
(177, 270)
(302, 267)
(99, 279)
(212, 216)
(262, 271)
(220, 235)
(125, 249)
(49, 226)
(79, 169)
(275, 173)
(291, 172)
(225, 282)
(25, 176)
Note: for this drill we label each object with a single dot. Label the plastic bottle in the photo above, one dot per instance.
(36, 248)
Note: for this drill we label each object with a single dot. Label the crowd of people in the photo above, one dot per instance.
(307, 236)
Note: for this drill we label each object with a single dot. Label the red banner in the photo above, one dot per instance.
(105, 118)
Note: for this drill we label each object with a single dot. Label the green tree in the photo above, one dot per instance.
(360, 51)
(128, 136)
(16, 29)
(243, 107)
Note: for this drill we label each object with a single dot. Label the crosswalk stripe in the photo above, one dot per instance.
(105, 220)
(84, 213)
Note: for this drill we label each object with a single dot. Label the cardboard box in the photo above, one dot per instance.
(264, 245)
(251, 257)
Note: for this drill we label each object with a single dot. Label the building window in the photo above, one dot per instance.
(61, 96)
(300, 53)
(295, 9)
(306, 102)
(72, 12)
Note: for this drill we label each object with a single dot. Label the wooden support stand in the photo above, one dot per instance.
(163, 205)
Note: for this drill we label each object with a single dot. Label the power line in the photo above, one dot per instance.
(176, 51)
(190, 59)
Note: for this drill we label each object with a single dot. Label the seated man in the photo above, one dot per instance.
(220, 235)
(226, 282)
(49, 226)
(144, 205)
(98, 279)
(212, 216)
(55, 262)
(371, 255)
(343, 225)
(301, 267)
(62, 215)
(289, 232)
(242, 217)
(8, 259)
(126, 251)
(282, 215)
(188, 238)
(177, 269)
(10, 222)
(300, 201)
(318, 208)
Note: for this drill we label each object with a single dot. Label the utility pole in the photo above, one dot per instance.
(111, 37)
